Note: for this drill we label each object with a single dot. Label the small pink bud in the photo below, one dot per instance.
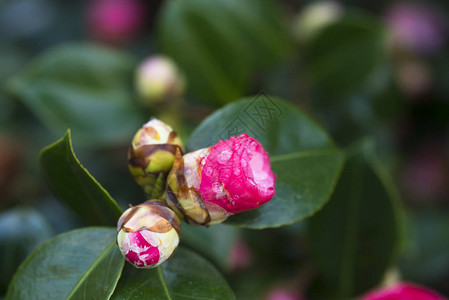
(148, 234)
(115, 21)
(403, 291)
(209, 185)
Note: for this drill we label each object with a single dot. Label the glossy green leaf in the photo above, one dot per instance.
(23, 229)
(345, 55)
(83, 87)
(214, 242)
(355, 237)
(80, 264)
(185, 276)
(304, 159)
(305, 181)
(74, 186)
(219, 39)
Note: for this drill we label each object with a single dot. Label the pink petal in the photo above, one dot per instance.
(237, 175)
(141, 253)
(403, 291)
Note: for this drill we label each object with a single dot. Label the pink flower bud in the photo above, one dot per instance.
(115, 21)
(148, 234)
(403, 291)
(237, 175)
(208, 185)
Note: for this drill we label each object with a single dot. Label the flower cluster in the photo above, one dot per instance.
(203, 187)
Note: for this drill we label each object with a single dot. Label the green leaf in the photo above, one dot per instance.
(23, 229)
(185, 276)
(74, 186)
(426, 256)
(305, 181)
(219, 40)
(304, 159)
(80, 264)
(355, 238)
(214, 242)
(83, 87)
(345, 55)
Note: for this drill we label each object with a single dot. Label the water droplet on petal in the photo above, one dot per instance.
(224, 156)
(209, 171)
(217, 187)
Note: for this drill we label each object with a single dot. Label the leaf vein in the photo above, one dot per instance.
(162, 279)
(91, 268)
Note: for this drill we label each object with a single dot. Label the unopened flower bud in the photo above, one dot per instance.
(315, 17)
(208, 185)
(403, 291)
(159, 80)
(151, 156)
(148, 234)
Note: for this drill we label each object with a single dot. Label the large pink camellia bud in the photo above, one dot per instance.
(403, 291)
(208, 185)
(148, 234)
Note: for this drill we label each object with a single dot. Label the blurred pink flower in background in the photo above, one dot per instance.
(115, 21)
(414, 78)
(283, 293)
(241, 256)
(425, 175)
(416, 27)
(403, 291)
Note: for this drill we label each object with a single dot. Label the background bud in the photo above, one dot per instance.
(159, 80)
(151, 156)
(314, 17)
(115, 21)
(209, 185)
(148, 234)
(403, 291)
